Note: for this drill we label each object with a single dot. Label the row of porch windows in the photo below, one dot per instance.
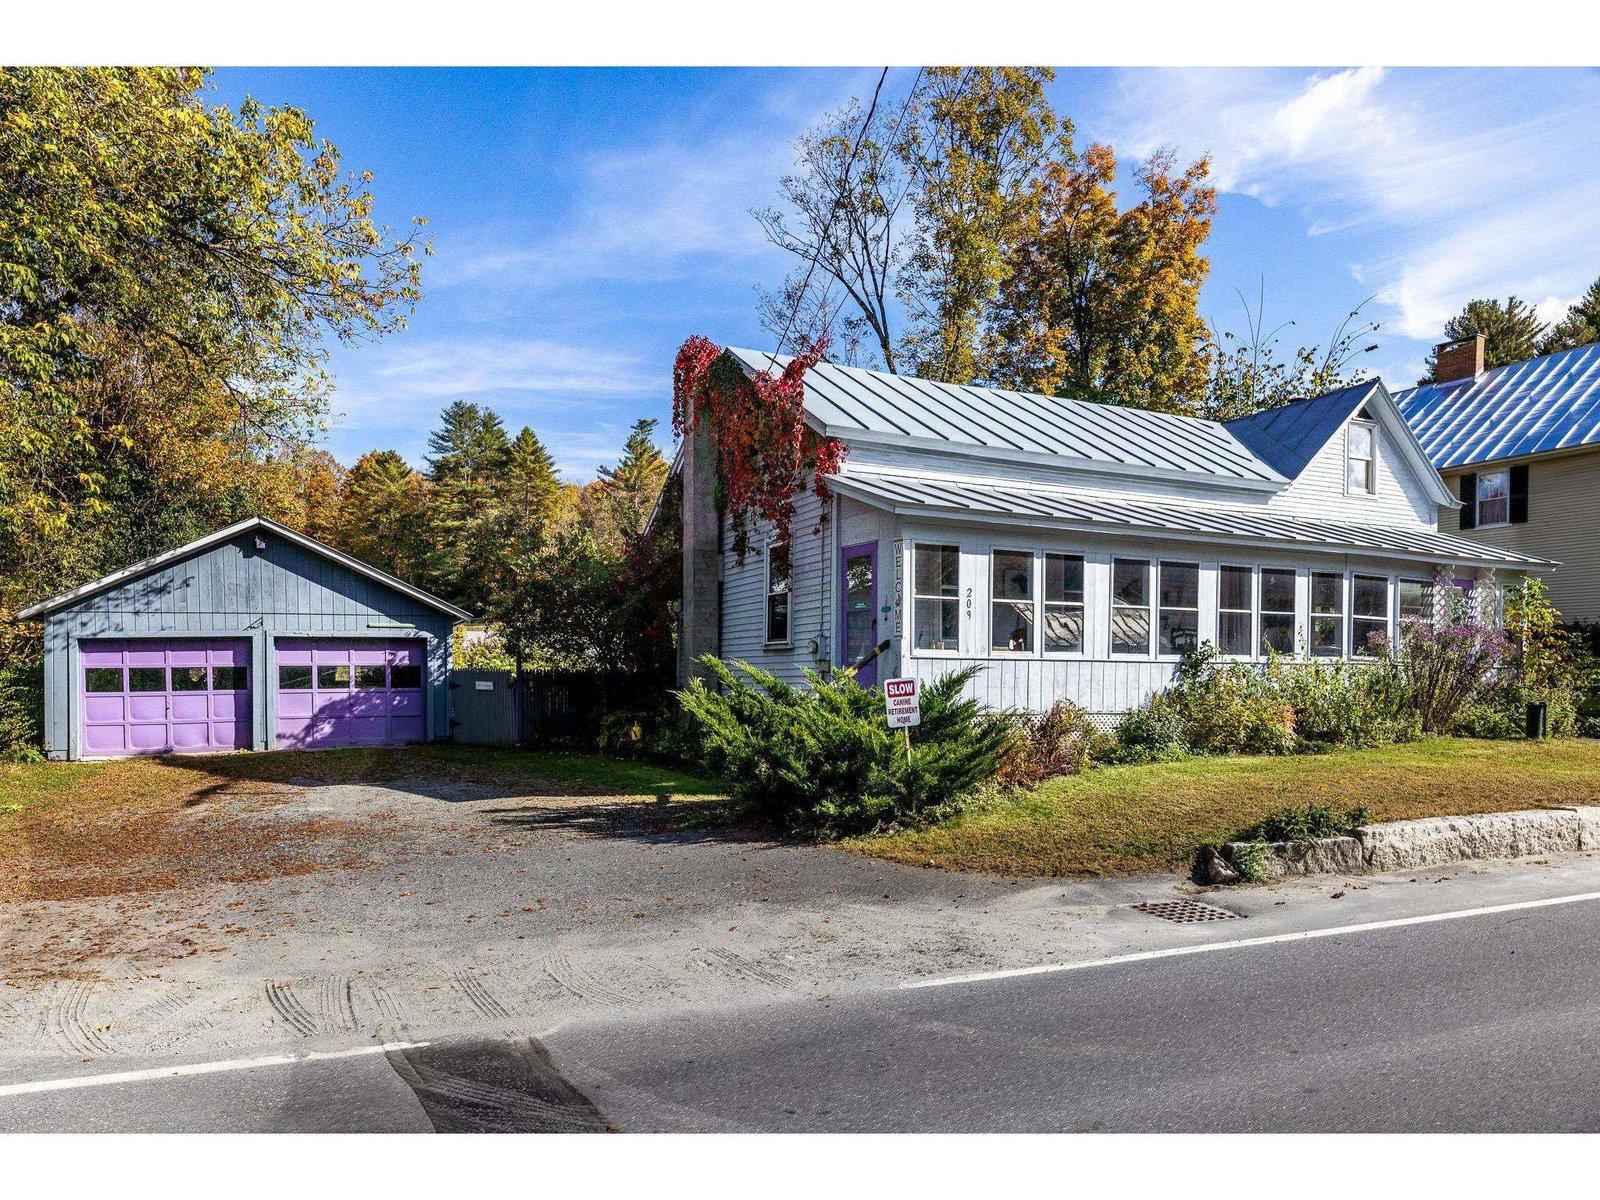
(1025, 617)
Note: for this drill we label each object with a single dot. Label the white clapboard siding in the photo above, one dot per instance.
(1097, 685)
(744, 614)
(1319, 491)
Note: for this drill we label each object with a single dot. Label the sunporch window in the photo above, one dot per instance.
(1277, 610)
(1369, 615)
(936, 597)
(1011, 606)
(1130, 606)
(1179, 609)
(1235, 615)
(1327, 614)
(1063, 604)
(1416, 600)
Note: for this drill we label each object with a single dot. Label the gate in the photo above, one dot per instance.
(485, 704)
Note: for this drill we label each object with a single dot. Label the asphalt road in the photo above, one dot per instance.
(1483, 1023)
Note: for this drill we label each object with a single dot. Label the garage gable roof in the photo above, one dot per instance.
(56, 603)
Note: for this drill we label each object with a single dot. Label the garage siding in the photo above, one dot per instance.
(233, 589)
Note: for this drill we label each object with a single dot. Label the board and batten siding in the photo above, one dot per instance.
(234, 590)
(1319, 491)
(1563, 525)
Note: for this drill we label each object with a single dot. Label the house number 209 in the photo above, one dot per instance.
(969, 603)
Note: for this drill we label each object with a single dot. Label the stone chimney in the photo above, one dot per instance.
(1458, 360)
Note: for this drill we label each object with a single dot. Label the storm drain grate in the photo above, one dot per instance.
(1186, 911)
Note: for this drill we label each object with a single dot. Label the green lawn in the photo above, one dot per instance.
(1135, 820)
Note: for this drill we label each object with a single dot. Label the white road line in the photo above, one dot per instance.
(1273, 939)
(210, 1068)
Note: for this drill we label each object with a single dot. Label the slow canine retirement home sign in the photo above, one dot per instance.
(903, 703)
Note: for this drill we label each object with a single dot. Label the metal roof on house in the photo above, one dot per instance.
(851, 403)
(1524, 408)
(1006, 499)
(1289, 437)
(65, 599)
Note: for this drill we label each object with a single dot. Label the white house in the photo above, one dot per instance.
(1076, 550)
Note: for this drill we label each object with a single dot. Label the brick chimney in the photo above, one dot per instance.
(1458, 360)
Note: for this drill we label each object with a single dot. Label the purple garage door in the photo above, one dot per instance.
(350, 693)
(161, 697)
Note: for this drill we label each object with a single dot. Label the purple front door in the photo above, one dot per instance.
(183, 695)
(858, 607)
(351, 692)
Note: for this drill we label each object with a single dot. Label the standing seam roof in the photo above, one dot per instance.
(1523, 408)
(847, 398)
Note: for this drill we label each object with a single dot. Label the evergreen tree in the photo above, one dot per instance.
(382, 513)
(1511, 331)
(630, 489)
(467, 457)
(529, 492)
(1580, 327)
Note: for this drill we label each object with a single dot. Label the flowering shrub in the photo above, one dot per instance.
(757, 428)
(1445, 666)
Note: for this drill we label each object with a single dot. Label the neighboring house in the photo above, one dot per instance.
(1520, 448)
(1074, 550)
(252, 638)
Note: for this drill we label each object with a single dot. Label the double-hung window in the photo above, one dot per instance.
(1179, 608)
(936, 597)
(1130, 606)
(1416, 600)
(1369, 614)
(1011, 608)
(1494, 498)
(1277, 610)
(1235, 616)
(1063, 604)
(777, 594)
(1361, 476)
(1327, 614)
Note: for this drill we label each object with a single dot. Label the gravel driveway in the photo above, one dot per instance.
(489, 913)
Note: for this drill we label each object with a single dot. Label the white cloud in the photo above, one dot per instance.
(1457, 183)
(471, 367)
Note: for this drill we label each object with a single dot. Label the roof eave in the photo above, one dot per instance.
(56, 603)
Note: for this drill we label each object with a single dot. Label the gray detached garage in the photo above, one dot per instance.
(252, 638)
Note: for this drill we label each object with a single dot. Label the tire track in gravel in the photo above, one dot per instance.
(742, 968)
(495, 1087)
(336, 1008)
(585, 986)
(478, 995)
(66, 1021)
(289, 1009)
(390, 1013)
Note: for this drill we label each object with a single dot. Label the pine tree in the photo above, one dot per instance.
(631, 487)
(1580, 327)
(528, 493)
(468, 455)
(382, 510)
(1511, 331)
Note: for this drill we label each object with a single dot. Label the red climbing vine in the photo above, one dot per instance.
(756, 422)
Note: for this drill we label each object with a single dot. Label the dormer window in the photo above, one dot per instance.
(1361, 475)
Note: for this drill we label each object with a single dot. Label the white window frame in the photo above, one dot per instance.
(1504, 475)
(766, 604)
(1429, 598)
(1390, 604)
(1262, 612)
(1343, 614)
(1149, 562)
(1032, 602)
(1155, 628)
(1372, 428)
(960, 597)
(1045, 605)
(1253, 612)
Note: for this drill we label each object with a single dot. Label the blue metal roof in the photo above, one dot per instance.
(926, 494)
(1289, 437)
(1530, 407)
(850, 402)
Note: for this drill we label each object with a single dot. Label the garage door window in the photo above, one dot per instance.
(103, 679)
(294, 679)
(188, 679)
(370, 677)
(333, 678)
(403, 675)
(147, 679)
(230, 679)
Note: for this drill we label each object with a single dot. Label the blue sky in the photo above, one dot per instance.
(586, 221)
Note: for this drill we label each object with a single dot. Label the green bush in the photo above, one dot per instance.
(1154, 733)
(1306, 823)
(823, 760)
(1250, 860)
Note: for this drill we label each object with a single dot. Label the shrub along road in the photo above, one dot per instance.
(1151, 819)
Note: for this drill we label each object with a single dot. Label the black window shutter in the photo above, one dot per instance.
(1469, 501)
(1519, 495)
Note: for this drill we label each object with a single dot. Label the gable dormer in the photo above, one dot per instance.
(1348, 456)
